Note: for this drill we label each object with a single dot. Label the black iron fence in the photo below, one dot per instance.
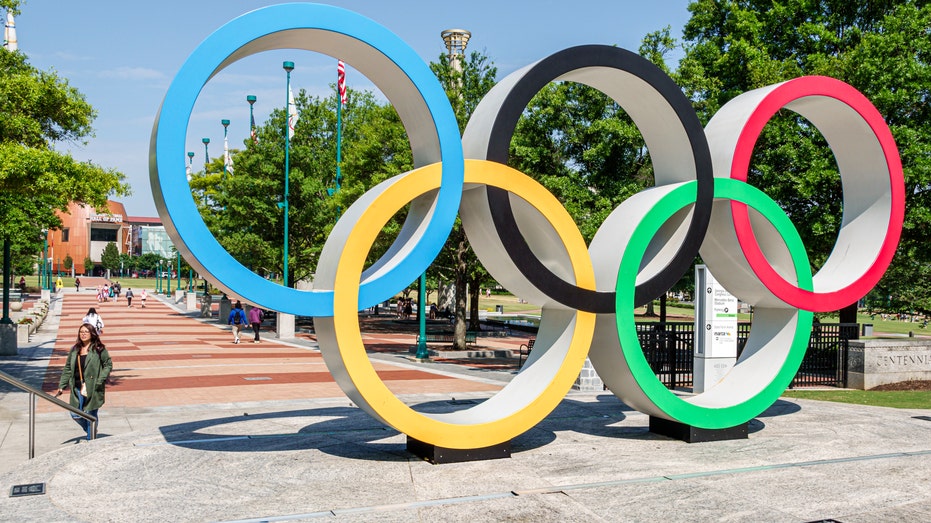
(668, 347)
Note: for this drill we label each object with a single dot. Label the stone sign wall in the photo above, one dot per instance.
(872, 363)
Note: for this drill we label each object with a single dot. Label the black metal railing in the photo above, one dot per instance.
(668, 347)
(36, 393)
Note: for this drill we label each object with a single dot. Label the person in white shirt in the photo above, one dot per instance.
(94, 319)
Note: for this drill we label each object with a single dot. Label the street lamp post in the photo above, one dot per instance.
(251, 99)
(226, 124)
(288, 67)
(158, 278)
(44, 266)
(190, 156)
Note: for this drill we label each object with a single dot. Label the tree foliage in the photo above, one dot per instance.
(38, 109)
(881, 48)
(244, 210)
(110, 258)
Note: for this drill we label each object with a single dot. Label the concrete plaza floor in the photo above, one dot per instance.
(186, 435)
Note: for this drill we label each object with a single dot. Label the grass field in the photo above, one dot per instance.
(900, 399)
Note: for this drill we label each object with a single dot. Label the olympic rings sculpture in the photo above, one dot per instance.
(701, 203)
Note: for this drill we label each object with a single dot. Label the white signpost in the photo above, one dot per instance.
(715, 331)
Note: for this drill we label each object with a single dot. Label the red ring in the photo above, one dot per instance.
(767, 107)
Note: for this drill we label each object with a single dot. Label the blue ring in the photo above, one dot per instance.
(172, 193)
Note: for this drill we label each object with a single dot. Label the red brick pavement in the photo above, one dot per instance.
(163, 358)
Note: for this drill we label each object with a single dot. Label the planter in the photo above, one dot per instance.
(22, 334)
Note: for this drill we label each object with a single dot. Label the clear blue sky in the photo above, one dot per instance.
(123, 55)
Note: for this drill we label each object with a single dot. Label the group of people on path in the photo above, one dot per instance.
(107, 291)
(238, 319)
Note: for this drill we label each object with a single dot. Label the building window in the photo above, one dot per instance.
(64, 234)
(103, 235)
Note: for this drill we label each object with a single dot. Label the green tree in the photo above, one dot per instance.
(881, 48)
(38, 109)
(88, 266)
(147, 262)
(110, 259)
(244, 212)
(68, 262)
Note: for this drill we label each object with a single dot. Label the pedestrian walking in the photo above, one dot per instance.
(237, 320)
(59, 285)
(94, 319)
(77, 285)
(129, 297)
(86, 370)
(116, 291)
(142, 296)
(256, 315)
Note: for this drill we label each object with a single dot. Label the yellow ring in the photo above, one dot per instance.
(507, 414)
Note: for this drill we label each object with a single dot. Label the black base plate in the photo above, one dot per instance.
(690, 434)
(438, 455)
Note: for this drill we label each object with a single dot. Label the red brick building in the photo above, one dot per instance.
(86, 231)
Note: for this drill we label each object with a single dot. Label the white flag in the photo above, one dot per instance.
(227, 159)
(292, 113)
(9, 33)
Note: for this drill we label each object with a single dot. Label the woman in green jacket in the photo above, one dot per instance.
(85, 373)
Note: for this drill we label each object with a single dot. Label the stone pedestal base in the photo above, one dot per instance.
(588, 380)
(225, 308)
(690, 434)
(439, 455)
(8, 345)
(285, 326)
(191, 303)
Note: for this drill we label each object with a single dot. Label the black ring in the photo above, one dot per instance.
(499, 141)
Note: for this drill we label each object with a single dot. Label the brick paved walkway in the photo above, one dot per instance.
(165, 358)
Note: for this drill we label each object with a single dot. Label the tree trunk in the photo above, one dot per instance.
(474, 320)
(662, 308)
(848, 314)
(650, 312)
(461, 271)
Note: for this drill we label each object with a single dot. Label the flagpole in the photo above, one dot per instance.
(340, 100)
(288, 67)
(206, 165)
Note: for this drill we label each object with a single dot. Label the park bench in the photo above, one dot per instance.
(448, 337)
(525, 348)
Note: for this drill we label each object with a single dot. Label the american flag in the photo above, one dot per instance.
(341, 81)
(227, 159)
(292, 113)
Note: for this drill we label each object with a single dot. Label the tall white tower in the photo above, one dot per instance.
(9, 33)
(456, 41)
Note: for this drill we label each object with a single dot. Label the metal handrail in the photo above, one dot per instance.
(33, 393)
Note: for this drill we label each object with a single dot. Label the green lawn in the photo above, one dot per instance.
(900, 399)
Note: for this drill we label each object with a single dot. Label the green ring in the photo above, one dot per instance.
(674, 407)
